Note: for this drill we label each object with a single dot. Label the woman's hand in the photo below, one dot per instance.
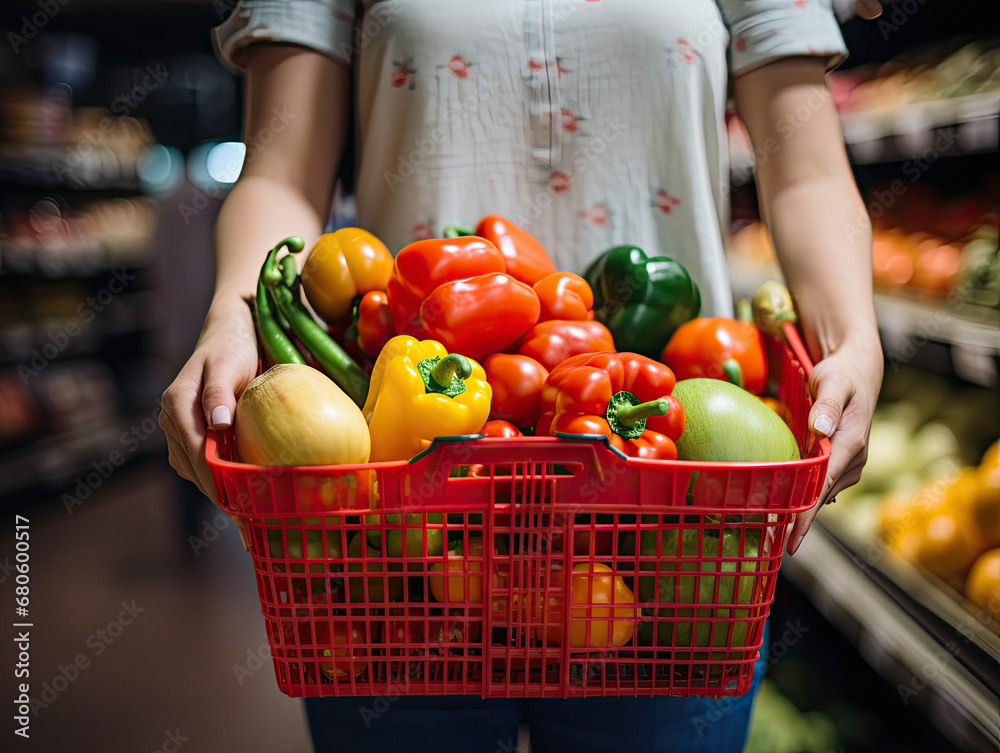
(203, 395)
(845, 387)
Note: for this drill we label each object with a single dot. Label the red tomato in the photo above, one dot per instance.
(344, 651)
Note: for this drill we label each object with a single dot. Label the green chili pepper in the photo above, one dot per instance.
(334, 359)
(277, 346)
(457, 231)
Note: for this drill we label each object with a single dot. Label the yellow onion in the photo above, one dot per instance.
(294, 415)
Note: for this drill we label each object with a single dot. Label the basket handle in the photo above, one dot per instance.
(797, 347)
(593, 453)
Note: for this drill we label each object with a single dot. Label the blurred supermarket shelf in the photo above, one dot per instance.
(941, 659)
(924, 130)
(76, 463)
(919, 131)
(908, 323)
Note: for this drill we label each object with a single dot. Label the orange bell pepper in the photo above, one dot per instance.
(342, 265)
(564, 295)
(719, 348)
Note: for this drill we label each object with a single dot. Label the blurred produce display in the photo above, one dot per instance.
(939, 72)
(777, 726)
(927, 493)
(45, 142)
(55, 240)
(961, 267)
(77, 308)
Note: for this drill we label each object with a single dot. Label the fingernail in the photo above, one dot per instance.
(823, 424)
(221, 417)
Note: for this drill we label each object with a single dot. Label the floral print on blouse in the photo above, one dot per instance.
(592, 123)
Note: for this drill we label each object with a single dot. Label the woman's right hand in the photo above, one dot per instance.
(203, 395)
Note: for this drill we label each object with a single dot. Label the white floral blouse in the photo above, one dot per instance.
(592, 123)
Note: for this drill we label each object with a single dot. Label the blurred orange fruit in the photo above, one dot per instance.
(897, 515)
(982, 587)
(986, 508)
(961, 493)
(949, 542)
(991, 459)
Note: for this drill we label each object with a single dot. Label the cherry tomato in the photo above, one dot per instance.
(498, 428)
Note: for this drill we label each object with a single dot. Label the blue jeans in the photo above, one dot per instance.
(469, 724)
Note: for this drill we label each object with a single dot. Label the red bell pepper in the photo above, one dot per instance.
(564, 295)
(517, 384)
(624, 396)
(526, 259)
(479, 316)
(719, 348)
(552, 342)
(422, 266)
(373, 323)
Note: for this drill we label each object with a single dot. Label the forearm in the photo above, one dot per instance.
(257, 214)
(826, 259)
(810, 201)
(299, 99)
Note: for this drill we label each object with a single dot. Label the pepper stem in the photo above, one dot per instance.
(457, 231)
(627, 416)
(445, 376)
(734, 373)
(630, 415)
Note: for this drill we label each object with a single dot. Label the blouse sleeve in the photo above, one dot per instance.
(326, 26)
(761, 31)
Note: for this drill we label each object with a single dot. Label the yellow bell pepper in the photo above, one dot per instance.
(419, 392)
(342, 265)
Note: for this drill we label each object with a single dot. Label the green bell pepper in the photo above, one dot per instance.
(641, 300)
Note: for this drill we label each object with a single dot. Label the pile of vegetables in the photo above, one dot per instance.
(478, 333)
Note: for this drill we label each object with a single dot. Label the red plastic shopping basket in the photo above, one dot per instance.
(581, 572)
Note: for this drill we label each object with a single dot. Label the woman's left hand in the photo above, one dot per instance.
(845, 387)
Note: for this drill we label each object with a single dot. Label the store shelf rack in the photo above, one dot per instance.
(939, 657)
(969, 334)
